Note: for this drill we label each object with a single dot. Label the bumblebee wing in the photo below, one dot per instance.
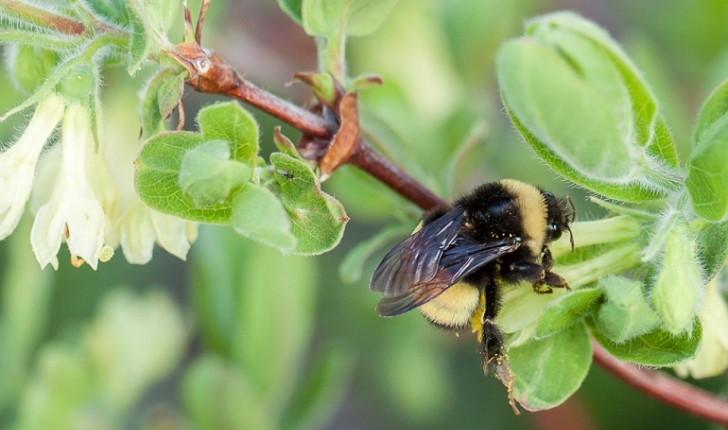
(416, 259)
(430, 261)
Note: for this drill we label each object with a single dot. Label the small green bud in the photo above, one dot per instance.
(626, 313)
(79, 84)
(676, 289)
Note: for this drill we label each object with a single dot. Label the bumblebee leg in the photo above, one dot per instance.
(492, 338)
(523, 271)
(547, 260)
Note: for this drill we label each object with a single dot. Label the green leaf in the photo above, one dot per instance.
(229, 121)
(626, 313)
(259, 215)
(549, 370)
(344, 17)
(141, 44)
(30, 66)
(707, 180)
(657, 348)
(170, 91)
(208, 175)
(292, 8)
(643, 102)
(567, 310)
(113, 10)
(678, 283)
(162, 156)
(713, 112)
(156, 96)
(157, 174)
(585, 109)
(712, 248)
(217, 395)
(317, 219)
(160, 14)
(322, 391)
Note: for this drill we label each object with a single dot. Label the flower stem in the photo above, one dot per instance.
(665, 388)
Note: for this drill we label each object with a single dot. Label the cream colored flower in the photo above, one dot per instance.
(18, 163)
(73, 212)
(135, 226)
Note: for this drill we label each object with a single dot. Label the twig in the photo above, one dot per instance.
(665, 388)
(210, 74)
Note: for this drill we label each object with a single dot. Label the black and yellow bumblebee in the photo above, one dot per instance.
(451, 268)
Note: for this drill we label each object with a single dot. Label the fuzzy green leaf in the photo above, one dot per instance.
(626, 313)
(229, 121)
(162, 156)
(169, 92)
(259, 215)
(208, 175)
(550, 370)
(713, 112)
(113, 10)
(157, 178)
(566, 310)
(141, 44)
(31, 66)
(154, 100)
(317, 219)
(707, 181)
(712, 248)
(657, 348)
(585, 109)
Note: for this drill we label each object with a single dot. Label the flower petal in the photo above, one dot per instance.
(73, 211)
(17, 164)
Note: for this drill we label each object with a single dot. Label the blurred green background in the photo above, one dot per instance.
(239, 336)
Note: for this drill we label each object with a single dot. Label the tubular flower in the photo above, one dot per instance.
(18, 163)
(73, 212)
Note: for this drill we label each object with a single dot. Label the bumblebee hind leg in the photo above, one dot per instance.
(491, 338)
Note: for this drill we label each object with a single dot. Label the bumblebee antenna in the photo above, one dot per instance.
(570, 217)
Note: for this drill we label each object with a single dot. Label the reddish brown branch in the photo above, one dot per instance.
(210, 74)
(665, 388)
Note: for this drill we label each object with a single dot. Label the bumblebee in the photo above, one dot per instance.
(459, 257)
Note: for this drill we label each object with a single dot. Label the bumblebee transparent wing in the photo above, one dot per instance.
(415, 260)
(425, 264)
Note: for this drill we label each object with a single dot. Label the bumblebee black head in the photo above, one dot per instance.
(561, 213)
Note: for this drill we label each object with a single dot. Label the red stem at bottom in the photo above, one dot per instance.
(664, 387)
